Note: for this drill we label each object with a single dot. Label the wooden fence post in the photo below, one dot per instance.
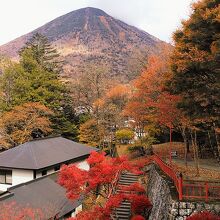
(180, 179)
(170, 148)
(206, 192)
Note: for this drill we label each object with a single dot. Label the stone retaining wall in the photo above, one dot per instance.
(180, 210)
(165, 203)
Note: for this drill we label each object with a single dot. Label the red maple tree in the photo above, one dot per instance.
(139, 204)
(103, 171)
(134, 188)
(150, 102)
(13, 211)
(100, 181)
(138, 217)
(204, 216)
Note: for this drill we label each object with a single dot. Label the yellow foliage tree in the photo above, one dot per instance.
(89, 133)
(23, 123)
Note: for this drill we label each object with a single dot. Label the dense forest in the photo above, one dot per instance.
(177, 90)
(176, 93)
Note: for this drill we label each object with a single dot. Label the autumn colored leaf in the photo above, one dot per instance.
(138, 217)
(203, 216)
(19, 125)
(16, 212)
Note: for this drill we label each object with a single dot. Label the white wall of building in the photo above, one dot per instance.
(38, 174)
(3, 187)
(77, 210)
(83, 165)
(21, 176)
(18, 176)
(50, 171)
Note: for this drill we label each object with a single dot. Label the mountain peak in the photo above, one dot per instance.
(91, 35)
(91, 11)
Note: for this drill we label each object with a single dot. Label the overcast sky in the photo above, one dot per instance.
(157, 17)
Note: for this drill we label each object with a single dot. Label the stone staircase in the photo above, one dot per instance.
(123, 212)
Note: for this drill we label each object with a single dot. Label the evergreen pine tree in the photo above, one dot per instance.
(36, 79)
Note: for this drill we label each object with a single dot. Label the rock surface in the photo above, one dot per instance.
(165, 204)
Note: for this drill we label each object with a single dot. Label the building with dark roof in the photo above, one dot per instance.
(44, 194)
(37, 158)
(28, 174)
(42, 153)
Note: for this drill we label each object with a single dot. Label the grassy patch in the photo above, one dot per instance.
(209, 169)
(189, 173)
(164, 149)
(122, 150)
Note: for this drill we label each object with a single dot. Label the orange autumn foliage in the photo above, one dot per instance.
(150, 102)
(203, 216)
(18, 125)
(118, 90)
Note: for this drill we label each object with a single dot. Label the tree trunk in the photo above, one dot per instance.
(195, 151)
(217, 140)
(186, 144)
(97, 190)
(211, 145)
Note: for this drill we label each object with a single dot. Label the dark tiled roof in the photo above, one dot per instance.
(43, 193)
(42, 153)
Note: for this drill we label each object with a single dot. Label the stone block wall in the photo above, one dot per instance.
(165, 203)
(181, 210)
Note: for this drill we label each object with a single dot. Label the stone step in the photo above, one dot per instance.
(119, 213)
(130, 174)
(125, 207)
(122, 208)
(122, 187)
(124, 183)
(129, 179)
(128, 204)
(125, 202)
(123, 212)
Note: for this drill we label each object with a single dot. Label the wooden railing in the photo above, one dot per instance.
(169, 171)
(202, 190)
(196, 190)
(189, 190)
